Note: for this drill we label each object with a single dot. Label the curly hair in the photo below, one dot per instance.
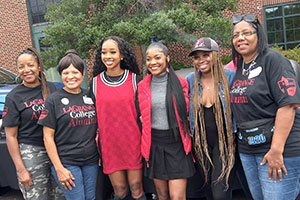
(128, 62)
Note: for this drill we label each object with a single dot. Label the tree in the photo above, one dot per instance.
(81, 24)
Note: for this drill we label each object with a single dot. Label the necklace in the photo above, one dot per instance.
(246, 72)
(113, 78)
(207, 87)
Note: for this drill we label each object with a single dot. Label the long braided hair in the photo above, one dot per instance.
(32, 51)
(225, 137)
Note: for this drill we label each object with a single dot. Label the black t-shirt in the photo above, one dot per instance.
(270, 84)
(23, 106)
(73, 116)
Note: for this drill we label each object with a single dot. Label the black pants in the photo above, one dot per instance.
(104, 188)
(215, 190)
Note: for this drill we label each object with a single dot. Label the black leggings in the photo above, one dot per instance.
(213, 190)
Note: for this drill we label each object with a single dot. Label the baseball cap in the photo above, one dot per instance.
(204, 44)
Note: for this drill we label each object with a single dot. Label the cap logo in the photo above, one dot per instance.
(199, 43)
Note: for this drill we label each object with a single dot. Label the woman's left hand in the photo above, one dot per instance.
(275, 164)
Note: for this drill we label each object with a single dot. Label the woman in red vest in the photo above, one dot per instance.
(163, 108)
(114, 85)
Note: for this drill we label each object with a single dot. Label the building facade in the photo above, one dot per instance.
(22, 25)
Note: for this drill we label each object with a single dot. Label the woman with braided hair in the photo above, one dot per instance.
(210, 117)
(24, 137)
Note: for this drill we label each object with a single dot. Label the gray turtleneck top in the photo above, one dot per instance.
(159, 118)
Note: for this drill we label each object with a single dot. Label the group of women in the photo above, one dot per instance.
(163, 127)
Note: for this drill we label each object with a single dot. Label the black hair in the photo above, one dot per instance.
(174, 92)
(128, 61)
(161, 45)
(32, 51)
(70, 57)
(262, 42)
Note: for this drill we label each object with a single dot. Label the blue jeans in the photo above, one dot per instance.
(261, 187)
(85, 181)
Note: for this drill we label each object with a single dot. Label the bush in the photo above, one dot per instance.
(293, 54)
(179, 65)
(226, 59)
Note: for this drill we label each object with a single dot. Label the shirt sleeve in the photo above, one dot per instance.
(11, 114)
(48, 117)
(282, 81)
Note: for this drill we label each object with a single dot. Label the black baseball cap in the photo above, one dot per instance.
(204, 44)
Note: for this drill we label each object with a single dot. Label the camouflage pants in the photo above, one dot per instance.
(38, 164)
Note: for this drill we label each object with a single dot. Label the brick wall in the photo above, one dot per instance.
(15, 31)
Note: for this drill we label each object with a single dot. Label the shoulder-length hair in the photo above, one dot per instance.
(262, 42)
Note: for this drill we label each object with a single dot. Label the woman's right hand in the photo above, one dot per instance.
(65, 178)
(25, 178)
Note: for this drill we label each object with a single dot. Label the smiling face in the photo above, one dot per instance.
(28, 70)
(111, 56)
(203, 61)
(245, 45)
(156, 61)
(72, 78)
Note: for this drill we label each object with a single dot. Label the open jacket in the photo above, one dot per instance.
(143, 105)
(191, 77)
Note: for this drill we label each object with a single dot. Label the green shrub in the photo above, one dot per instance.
(293, 54)
(226, 59)
(179, 65)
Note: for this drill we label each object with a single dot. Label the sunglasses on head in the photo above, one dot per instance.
(238, 18)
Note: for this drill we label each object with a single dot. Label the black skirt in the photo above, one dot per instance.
(167, 159)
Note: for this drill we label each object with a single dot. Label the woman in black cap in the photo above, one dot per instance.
(210, 117)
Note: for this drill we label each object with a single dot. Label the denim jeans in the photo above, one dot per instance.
(263, 188)
(85, 181)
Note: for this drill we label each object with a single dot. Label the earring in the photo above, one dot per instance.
(121, 58)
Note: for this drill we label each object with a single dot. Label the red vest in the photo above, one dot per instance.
(144, 98)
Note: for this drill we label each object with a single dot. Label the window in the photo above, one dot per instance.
(282, 24)
(38, 9)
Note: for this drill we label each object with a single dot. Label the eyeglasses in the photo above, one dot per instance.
(248, 18)
(244, 34)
